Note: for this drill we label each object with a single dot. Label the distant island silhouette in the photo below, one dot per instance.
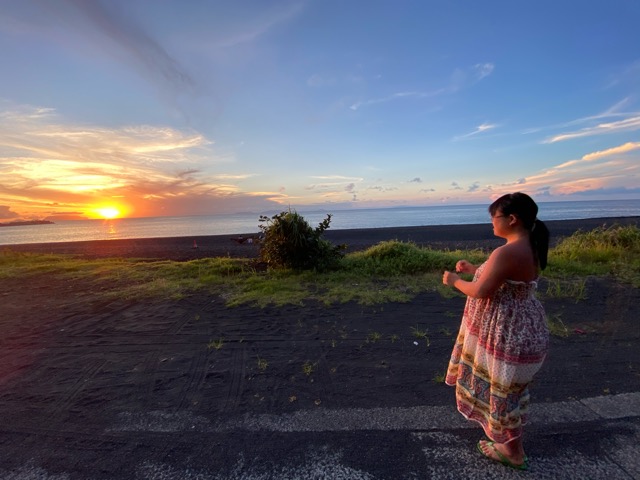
(25, 222)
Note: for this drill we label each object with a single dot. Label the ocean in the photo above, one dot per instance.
(248, 223)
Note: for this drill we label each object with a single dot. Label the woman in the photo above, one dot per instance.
(503, 337)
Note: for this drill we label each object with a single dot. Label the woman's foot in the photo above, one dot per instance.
(499, 453)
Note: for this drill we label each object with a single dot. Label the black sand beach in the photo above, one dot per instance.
(133, 389)
(450, 237)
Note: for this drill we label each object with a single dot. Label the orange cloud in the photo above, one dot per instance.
(51, 167)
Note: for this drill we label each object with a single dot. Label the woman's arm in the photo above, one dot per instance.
(464, 266)
(494, 274)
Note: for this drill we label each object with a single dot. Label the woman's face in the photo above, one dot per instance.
(500, 223)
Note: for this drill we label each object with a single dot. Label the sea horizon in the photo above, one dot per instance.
(248, 222)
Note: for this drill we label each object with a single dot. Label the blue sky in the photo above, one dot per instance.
(198, 107)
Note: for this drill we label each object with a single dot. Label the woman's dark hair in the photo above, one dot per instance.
(522, 206)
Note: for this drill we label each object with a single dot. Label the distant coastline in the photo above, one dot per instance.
(25, 222)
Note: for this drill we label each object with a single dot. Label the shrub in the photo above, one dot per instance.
(611, 250)
(290, 242)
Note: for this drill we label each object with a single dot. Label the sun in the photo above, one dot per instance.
(108, 212)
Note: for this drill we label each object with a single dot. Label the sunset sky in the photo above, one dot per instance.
(161, 107)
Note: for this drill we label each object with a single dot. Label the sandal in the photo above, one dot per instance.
(501, 458)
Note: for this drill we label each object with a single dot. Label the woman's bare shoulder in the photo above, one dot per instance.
(517, 260)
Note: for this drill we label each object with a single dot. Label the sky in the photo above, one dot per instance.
(171, 107)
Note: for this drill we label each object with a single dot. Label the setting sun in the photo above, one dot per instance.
(108, 212)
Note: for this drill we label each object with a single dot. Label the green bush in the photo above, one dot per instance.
(394, 257)
(290, 242)
(611, 250)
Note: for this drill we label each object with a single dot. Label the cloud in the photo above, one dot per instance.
(256, 26)
(50, 166)
(416, 180)
(628, 75)
(465, 78)
(5, 212)
(627, 147)
(460, 78)
(102, 28)
(394, 96)
(142, 49)
(455, 186)
(482, 70)
(473, 187)
(609, 191)
(606, 172)
(626, 125)
(479, 129)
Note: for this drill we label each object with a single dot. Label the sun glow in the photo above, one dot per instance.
(108, 212)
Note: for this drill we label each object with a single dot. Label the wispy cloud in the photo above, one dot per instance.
(395, 96)
(482, 70)
(630, 74)
(599, 124)
(139, 45)
(258, 25)
(626, 125)
(460, 78)
(49, 165)
(622, 149)
(485, 127)
(613, 170)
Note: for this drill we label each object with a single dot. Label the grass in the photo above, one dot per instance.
(421, 334)
(374, 337)
(604, 251)
(557, 327)
(216, 344)
(262, 364)
(390, 271)
(308, 368)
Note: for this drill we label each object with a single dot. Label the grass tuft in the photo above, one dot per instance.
(613, 250)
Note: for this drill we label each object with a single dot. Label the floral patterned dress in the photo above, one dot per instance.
(502, 343)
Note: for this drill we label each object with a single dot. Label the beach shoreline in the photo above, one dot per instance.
(185, 247)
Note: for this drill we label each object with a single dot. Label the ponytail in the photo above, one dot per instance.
(539, 237)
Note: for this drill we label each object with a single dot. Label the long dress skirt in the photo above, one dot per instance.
(502, 343)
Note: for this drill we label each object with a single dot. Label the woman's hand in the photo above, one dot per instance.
(449, 278)
(465, 267)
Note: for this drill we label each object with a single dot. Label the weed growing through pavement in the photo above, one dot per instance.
(556, 326)
(421, 334)
(308, 368)
(374, 337)
(262, 364)
(217, 344)
(393, 338)
(439, 378)
(562, 288)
